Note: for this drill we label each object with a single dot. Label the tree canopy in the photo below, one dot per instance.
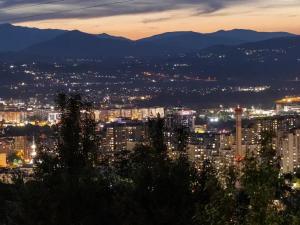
(71, 185)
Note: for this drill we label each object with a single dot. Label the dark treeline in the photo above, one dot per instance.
(28, 130)
(75, 184)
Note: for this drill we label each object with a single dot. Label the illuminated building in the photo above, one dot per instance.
(276, 124)
(256, 113)
(180, 117)
(122, 135)
(20, 143)
(115, 138)
(33, 152)
(110, 115)
(250, 136)
(204, 146)
(6, 145)
(54, 117)
(239, 154)
(22, 146)
(226, 141)
(12, 117)
(288, 147)
(38, 114)
(217, 147)
(200, 129)
(177, 118)
(288, 104)
(3, 160)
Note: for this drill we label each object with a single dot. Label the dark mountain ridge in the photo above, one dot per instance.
(249, 35)
(79, 44)
(223, 54)
(59, 43)
(16, 38)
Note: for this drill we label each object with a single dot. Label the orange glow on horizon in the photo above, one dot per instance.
(143, 25)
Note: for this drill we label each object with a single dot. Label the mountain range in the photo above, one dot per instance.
(16, 38)
(61, 43)
(277, 58)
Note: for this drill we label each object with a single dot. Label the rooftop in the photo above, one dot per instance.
(288, 100)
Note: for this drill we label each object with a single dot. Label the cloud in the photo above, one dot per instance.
(155, 20)
(34, 10)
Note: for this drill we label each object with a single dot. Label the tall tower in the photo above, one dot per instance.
(33, 153)
(238, 138)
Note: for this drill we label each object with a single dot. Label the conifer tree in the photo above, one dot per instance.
(261, 183)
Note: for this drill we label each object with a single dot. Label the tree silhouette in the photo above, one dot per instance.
(261, 183)
(145, 186)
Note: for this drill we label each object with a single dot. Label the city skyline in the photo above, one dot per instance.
(118, 112)
(137, 19)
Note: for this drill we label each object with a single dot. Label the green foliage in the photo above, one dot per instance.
(156, 135)
(14, 159)
(182, 138)
(261, 183)
(210, 210)
(77, 142)
(161, 190)
(6, 195)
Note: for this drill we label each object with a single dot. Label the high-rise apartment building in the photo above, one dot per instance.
(239, 153)
(288, 148)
